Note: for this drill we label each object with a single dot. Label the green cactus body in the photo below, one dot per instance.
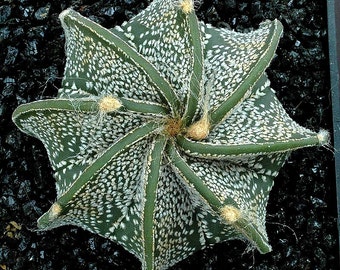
(165, 136)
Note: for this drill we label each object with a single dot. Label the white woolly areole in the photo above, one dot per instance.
(109, 104)
(230, 214)
(199, 130)
(55, 211)
(323, 137)
(187, 6)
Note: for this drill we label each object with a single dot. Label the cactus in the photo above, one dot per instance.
(165, 136)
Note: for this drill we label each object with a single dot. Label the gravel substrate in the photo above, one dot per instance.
(301, 218)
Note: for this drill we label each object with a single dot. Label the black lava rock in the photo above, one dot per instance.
(301, 218)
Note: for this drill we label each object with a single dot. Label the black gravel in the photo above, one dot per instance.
(301, 218)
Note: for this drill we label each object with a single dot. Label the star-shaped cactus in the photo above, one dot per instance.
(165, 136)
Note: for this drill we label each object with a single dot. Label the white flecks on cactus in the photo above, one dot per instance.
(165, 136)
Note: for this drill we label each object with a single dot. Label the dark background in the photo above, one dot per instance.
(301, 219)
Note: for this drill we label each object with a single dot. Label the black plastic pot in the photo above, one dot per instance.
(334, 63)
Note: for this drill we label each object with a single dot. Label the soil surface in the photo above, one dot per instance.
(301, 219)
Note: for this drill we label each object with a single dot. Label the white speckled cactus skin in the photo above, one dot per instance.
(165, 136)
